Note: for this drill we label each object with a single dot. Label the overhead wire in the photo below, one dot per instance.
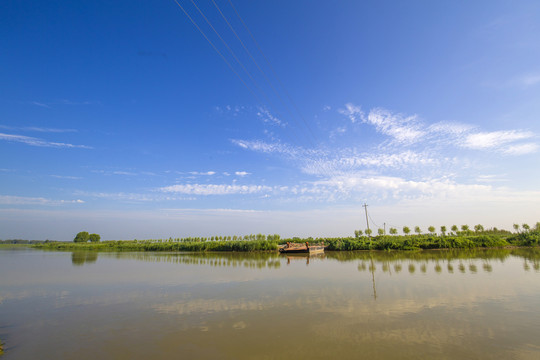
(316, 162)
(373, 222)
(273, 107)
(306, 124)
(216, 49)
(254, 61)
(272, 69)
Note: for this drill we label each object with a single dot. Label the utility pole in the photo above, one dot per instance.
(367, 222)
(384, 228)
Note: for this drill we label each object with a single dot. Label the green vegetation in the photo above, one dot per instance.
(94, 238)
(84, 237)
(168, 245)
(525, 235)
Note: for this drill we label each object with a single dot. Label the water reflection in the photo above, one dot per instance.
(478, 304)
(214, 259)
(79, 258)
(415, 262)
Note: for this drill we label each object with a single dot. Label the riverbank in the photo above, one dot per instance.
(384, 242)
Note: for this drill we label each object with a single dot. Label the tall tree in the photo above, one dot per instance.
(417, 230)
(393, 231)
(431, 229)
(95, 238)
(406, 230)
(82, 237)
(478, 228)
(443, 230)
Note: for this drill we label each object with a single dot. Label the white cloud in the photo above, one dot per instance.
(353, 112)
(38, 142)
(215, 189)
(25, 200)
(267, 117)
(491, 140)
(207, 173)
(529, 79)
(38, 129)
(491, 178)
(521, 149)
(404, 130)
(66, 177)
(264, 147)
(37, 103)
(450, 128)
(51, 130)
(347, 163)
(127, 173)
(241, 173)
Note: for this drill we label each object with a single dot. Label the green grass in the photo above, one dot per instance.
(157, 245)
(262, 243)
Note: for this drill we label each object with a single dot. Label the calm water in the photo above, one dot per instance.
(448, 305)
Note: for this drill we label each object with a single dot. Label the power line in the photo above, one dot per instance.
(227, 46)
(254, 61)
(216, 49)
(241, 64)
(316, 162)
(373, 222)
(273, 71)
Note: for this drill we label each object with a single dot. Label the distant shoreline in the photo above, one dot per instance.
(382, 242)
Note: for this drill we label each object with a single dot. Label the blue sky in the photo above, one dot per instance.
(121, 118)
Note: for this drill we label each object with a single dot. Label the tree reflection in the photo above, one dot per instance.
(79, 258)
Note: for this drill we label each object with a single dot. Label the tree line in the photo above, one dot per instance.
(454, 230)
(84, 237)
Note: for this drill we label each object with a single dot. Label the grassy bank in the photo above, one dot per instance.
(167, 245)
(271, 243)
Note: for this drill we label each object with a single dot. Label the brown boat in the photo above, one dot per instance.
(295, 248)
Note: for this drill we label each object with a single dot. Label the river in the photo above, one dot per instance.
(478, 304)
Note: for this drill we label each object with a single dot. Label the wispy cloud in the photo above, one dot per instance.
(37, 103)
(495, 139)
(404, 129)
(267, 117)
(491, 178)
(527, 80)
(215, 189)
(521, 149)
(24, 200)
(343, 162)
(37, 129)
(353, 112)
(133, 197)
(207, 173)
(61, 102)
(261, 146)
(241, 173)
(450, 128)
(66, 177)
(39, 142)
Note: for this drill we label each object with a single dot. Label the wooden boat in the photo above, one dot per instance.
(295, 248)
